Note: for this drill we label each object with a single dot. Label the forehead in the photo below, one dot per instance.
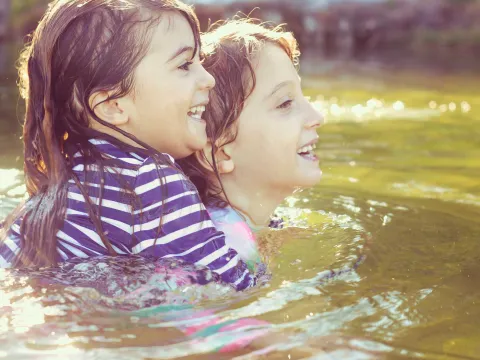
(173, 31)
(272, 66)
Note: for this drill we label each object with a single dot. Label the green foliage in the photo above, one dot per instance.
(448, 37)
(19, 7)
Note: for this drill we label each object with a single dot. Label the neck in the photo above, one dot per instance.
(115, 134)
(256, 203)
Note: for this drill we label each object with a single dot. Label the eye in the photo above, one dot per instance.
(186, 66)
(285, 105)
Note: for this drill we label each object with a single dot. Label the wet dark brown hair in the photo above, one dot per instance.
(230, 49)
(79, 47)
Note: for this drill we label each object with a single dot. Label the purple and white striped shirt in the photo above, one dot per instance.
(130, 221)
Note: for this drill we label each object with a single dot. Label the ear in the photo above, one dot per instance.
(111, 111)
(223, 158)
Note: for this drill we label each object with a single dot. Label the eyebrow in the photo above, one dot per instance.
(180, 51)
(278, 87)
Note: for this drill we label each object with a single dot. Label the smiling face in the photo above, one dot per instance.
(171, 91)
(276, 131)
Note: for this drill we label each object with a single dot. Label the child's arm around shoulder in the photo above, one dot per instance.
(165, 194)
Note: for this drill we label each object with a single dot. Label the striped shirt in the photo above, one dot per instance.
(136, 196)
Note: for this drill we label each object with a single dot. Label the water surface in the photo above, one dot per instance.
(401, 191)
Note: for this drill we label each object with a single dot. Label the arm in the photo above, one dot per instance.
(9, 246)
(187, 232)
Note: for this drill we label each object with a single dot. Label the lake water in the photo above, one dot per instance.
(398, 208)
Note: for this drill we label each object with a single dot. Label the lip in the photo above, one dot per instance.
(314, 141)
(201, 121)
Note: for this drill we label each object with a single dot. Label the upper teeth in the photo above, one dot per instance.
(307, 148)
(197, 111)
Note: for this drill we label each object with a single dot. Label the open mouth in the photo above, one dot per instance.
(196, 112)
(307, 152)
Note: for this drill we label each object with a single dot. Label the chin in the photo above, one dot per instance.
(196, 141)
(185, 151)
(302, 182)
(197, 135)
(311, 179)
(198, 144)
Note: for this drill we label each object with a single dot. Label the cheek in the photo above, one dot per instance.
(157, 90)
(164, 105)
(253, 140)
(263, 155)
(267, 139)
(283, 139)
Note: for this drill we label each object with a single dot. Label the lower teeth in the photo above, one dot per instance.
(307, 154)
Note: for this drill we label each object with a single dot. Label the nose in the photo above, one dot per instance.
(314, 118)
(206, 81)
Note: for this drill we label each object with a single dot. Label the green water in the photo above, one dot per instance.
(407, 168)
(401, 160)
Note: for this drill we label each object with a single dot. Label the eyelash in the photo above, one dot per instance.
(186, 66)
(285, 105)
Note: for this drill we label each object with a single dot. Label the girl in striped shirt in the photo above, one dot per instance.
(114, 91)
